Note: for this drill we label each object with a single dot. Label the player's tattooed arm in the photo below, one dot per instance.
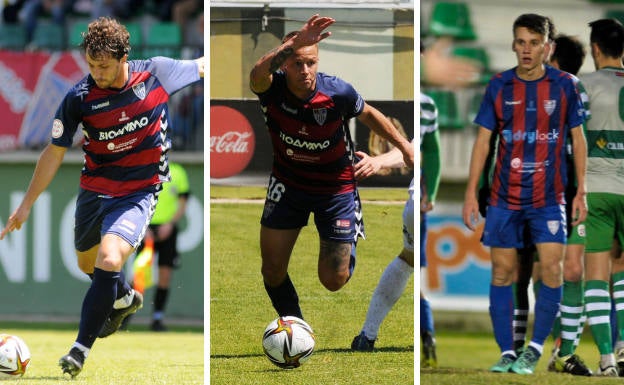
(262, 72)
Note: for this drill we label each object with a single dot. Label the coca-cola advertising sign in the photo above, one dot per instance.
(232, 142)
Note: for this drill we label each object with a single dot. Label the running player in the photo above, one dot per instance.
(313, 162)
(121, 107)
(528, 182)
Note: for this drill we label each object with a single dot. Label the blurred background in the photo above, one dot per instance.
(40, 60)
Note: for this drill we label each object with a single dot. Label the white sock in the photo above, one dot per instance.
(390, 287)
(124, 301)
(85, 350)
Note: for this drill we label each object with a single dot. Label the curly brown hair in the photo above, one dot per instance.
(106, 37)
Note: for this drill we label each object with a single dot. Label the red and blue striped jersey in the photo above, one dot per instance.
(312, 145)
(126, 130)
(532, 119)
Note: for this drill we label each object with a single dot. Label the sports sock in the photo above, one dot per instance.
(598, 308)
(618, 298)
(123, 287)
(97, 305)
(546, 308)
(571, 311)
(160, 299)
(390, 287)
(284, 298)
(521, 313)
(501, 314)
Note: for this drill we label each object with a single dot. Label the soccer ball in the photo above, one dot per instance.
(14, 356)
(288, 342)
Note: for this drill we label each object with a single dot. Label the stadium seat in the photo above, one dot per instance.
(479, 55)
(448, 112)
(163, 39)
(453, 20)
(617, 14)
(49, 36)
(136, 39)
(12, 36)
(74, 38)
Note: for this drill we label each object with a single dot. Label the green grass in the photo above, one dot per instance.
(126, 357)
(465, 354)
(240, 308)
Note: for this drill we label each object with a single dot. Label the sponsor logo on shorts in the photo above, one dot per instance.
(343, 223)
(580, 230)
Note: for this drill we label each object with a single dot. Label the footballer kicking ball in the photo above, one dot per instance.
(14, 356)
(288, 342)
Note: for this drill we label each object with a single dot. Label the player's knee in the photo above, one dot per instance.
(407, 256)
(272, 275)
(335, 281)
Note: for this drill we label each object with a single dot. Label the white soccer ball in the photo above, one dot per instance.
(14, 356)
(288, 342)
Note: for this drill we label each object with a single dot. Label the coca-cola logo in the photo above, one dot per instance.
(232, 142)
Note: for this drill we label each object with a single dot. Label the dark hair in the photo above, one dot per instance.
(608, 34)
(106, 37)
(537, 24)
(569, 53)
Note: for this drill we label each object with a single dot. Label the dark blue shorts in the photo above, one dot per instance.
(338, 217)
(506, 228)
(423, 240)
(127, 217)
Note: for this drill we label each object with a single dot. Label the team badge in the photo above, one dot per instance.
(553, 226)
(139, 90)
(320, 114)
(549, 106)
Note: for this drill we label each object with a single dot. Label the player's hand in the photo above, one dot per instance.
(366, 167)
(164, 231)
(470, 212)
(312, 31)
(15, 221)
(425, 204)
(579, 208)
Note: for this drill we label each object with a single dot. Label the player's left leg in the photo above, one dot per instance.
(168, 260)
(122, 228)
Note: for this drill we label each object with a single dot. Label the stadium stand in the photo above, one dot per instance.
(12, 36)
(48, 36)
(163, 39)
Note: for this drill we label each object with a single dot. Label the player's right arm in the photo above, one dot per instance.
(48, 164)
(480, 152)
(311, 33)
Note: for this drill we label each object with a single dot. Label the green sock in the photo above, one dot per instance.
(598, 307)
(618, 288)
(571, 311)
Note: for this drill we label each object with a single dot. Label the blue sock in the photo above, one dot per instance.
(426, 317)
(546, 308)
(123, 287)
(501, 313)
(97, 305)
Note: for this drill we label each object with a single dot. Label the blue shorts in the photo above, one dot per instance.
(338, 217)
(127, 217)
(505, 228)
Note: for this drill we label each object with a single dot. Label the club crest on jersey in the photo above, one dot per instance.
(553, 226)
(320, 114)
(139, 90)
(549, 106)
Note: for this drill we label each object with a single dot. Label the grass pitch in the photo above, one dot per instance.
(127, 357)
(240, 308)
